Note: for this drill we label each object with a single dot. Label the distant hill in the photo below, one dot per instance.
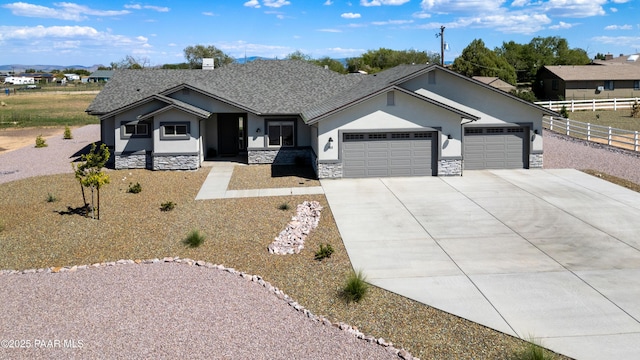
(22, 67)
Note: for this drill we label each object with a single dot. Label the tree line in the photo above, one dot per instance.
(514, 63)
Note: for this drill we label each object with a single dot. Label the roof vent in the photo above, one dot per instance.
(207, 64)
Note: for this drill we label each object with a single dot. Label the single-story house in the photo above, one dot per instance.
(496, 82)
(100, 76)
(404, 121)
(585, 82)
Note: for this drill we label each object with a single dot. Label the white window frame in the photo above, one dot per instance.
(280, 124)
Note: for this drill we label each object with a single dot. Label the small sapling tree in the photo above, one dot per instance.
(89, 174)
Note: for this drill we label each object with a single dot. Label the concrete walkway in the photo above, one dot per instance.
(215, 186)
(549, 254)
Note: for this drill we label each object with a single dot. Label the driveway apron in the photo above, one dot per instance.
(549, 254)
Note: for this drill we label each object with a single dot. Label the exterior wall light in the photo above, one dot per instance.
(258, 131)
(449, 137)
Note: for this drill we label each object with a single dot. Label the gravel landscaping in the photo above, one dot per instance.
(170, 309)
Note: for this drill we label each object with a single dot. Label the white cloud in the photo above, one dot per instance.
(382, 2)
(620, 1)
(631, 41)
(464, 7)
(252, 3)
(619, 27)
(561, 25)
(350, 16)
(328, 3)
(613, 10)
(392, 22)
(574, 8)
(149, 7)
(83, 36)
(330, 30)
(276, 3)
(342, 52)
(63, 11)
(209, 13)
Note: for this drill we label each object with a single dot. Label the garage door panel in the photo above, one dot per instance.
(494, 148)
(393, 154)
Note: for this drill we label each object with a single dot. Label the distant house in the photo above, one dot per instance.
(41, 78)
(633, 59)
(100, 76)
(410, 120)
(496, 82)
(583, 82)
(72, 77)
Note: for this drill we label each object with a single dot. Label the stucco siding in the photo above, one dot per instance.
(493, 108)
(408, 113)
(171, 146)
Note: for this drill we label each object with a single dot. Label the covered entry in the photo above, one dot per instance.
(495, 148)
(383, 154)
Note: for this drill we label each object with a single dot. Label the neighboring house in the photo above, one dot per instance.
(633, 59)
(405, 121)
(19, 80)
(100, 76)
(72, 77)
(41, 78)
(496, 82)
(585, 82)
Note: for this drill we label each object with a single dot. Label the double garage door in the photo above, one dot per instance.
(495, 148)
(382, 154)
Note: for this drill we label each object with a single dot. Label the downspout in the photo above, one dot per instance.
(462, 142)
(200, 145)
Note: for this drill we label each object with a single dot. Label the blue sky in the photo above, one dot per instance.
(100, 32)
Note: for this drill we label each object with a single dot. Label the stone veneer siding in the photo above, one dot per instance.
(281, 156)
(450, 167)
(175, 162)
(132, 161)
(536, 161)
(329, 170)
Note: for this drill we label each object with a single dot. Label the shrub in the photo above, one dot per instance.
(67, 133)
(635, 109)
(194, 239)
(533, 351)
(325, 251)
(167, 206)
(41, 142)
(356, 287)
(284, 206)
(134, 188)
(564, 112)
(51, 198)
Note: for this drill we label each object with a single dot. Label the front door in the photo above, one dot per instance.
(231, 134)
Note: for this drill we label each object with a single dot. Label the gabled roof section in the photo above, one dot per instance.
(369, 86)
(181, 87)
(463, 114)
(266, 86)
(176, 104)
(171, 103)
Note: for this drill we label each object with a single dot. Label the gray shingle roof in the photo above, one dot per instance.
(267, 86)
(595, 72)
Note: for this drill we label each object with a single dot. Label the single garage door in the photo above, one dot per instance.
(388, 154)
(495, 148)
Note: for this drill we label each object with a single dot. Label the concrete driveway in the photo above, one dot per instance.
(549, 254)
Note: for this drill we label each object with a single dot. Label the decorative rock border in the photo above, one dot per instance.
(291, 239)
(352, 330)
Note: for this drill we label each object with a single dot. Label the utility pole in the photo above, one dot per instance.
(441, 35)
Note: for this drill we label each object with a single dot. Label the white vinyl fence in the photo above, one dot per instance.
(625, 139)
(592, 105)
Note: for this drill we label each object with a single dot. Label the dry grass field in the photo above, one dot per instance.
(45, 109)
